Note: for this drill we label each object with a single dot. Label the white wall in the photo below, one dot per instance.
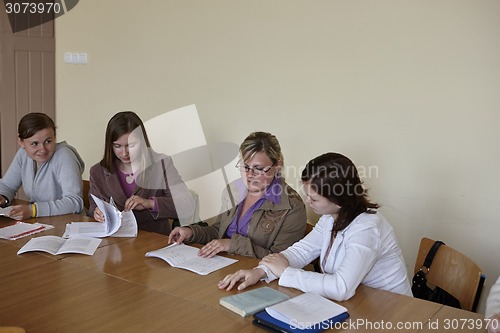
(407, 89)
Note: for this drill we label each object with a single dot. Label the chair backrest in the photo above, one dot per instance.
(454, 272)
(86, 187)
(309, 227)
(315, 263)
(195, 218)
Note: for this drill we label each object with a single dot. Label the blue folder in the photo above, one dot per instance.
(265, 320)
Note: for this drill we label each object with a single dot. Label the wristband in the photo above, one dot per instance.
(33, 210)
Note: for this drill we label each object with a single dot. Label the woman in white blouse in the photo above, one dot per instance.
(355, 243)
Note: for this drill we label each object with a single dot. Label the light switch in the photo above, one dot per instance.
(74, 58)
(67, 58)
(82, 58)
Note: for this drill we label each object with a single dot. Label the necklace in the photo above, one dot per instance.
(129, 178)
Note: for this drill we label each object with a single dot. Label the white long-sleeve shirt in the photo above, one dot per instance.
(365, 252)
(493, 302)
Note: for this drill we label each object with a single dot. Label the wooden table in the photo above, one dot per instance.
(118, 289)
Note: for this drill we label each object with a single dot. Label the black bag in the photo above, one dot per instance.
(420, 289)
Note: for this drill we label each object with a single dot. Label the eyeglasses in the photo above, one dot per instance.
(258, 171)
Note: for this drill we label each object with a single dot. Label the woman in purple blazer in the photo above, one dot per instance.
(137, 178)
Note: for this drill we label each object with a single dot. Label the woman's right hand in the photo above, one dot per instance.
(248, 277)
(98, 215)
(179, 235)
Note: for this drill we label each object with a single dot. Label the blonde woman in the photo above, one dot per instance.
(261, 213)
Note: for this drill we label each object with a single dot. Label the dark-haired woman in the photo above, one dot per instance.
(355, 243)
(137, 178)
(49, 172)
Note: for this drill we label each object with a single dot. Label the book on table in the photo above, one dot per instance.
(57, 245)
(249, 302)
(116, 223)
(186, 257)
(308, 312)
(22, 229)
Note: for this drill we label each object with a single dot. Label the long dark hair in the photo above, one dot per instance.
(335, 177)
(121, 123)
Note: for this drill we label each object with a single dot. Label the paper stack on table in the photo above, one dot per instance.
(116, 223)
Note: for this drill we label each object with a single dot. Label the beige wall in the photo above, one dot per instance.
(409, 89)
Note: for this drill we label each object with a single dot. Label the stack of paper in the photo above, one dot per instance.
(116, 223)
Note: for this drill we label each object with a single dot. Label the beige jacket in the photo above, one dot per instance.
(272, 229)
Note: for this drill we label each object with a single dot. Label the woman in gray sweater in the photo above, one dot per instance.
(49, 172)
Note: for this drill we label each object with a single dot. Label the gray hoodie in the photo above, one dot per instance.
(56, 188)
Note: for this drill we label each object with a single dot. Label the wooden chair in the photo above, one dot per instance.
(454, 272)
(86, 187)
(309, 227)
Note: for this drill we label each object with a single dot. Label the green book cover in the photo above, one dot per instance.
(249, 302)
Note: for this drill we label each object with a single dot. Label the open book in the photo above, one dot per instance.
(116, 223)
(308, 312)
(186, 257)
(58, 245)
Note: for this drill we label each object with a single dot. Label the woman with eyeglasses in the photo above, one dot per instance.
(355, 243)
(261, 213)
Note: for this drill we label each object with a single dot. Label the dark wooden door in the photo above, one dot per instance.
(27, 79)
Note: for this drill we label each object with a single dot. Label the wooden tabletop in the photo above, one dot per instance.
(118, 289)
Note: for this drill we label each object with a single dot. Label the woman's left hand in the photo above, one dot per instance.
(20, 212)
(138, 203)
(276, 262)
(214, 247)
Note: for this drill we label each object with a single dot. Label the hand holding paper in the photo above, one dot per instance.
(116, 223)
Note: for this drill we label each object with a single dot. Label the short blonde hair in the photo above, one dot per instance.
(261, 142)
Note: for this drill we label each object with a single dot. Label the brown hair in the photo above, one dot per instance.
(32, 123)
(124, 122)
(336, 178)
